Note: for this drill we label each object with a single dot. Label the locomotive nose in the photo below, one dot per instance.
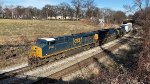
(36, 52)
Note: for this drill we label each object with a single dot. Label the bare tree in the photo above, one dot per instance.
(8, 13)
(90, 6)
(139, 7)
(108, 14)
(20, 10)
(32, 13)
(93, 12)
(77, 5)
(64, 9)
(71, 12)
(1, 9)
(12, 11)
(119, 16)
(1, 12)
(97, 12)
(0, 6)
(49, 11)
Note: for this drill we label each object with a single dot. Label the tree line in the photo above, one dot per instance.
(78, 9)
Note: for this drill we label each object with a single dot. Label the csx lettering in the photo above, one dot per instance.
(77, 40)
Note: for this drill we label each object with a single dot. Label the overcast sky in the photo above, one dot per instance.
(113, 4)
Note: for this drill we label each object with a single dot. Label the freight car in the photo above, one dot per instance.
(53, 48)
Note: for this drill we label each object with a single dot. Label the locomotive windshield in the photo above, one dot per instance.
(41, 42)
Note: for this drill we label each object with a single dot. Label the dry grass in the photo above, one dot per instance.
(15, 30)
(19, 31)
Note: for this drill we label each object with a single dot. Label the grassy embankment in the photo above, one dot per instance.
(14, 31)
(16, 36)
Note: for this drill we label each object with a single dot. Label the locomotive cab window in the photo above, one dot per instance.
(51, 43)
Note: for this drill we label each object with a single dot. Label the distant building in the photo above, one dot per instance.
(60, 17)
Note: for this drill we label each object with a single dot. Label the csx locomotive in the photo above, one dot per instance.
(53, 48)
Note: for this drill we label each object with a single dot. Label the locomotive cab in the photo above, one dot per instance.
(38, 49)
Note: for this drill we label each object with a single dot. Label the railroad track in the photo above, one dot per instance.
(55, 77)
(14, 72)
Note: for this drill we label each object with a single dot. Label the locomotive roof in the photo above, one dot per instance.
(48, 39)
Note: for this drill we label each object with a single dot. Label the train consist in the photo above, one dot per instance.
(53, 48)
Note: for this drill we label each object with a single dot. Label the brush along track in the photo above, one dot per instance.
(60, 74)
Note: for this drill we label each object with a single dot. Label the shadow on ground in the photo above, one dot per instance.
(127, 58)
(31, 80)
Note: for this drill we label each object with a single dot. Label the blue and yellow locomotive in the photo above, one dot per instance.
(57, 47)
